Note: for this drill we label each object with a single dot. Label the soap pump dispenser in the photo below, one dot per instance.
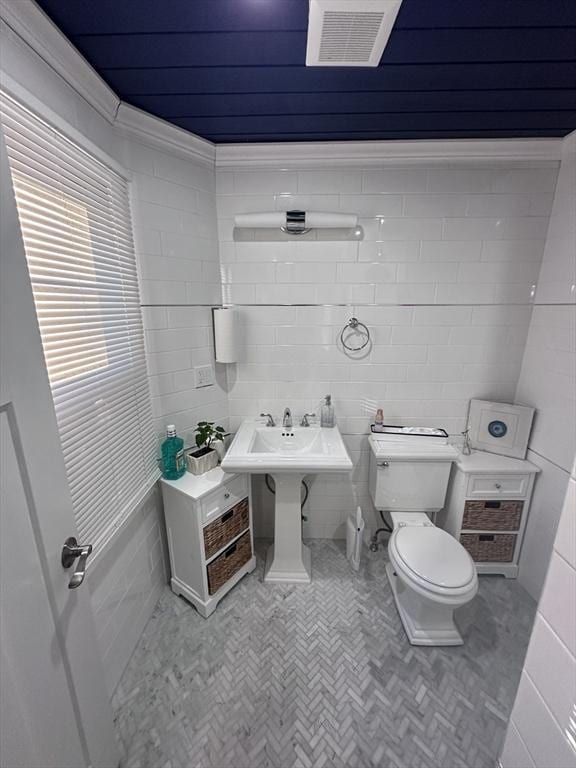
(327, 413)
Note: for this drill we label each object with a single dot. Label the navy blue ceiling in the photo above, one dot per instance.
(233, 70)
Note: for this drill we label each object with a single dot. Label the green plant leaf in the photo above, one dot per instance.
(207, 433)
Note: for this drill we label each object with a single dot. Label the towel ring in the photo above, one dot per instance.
(355, 324)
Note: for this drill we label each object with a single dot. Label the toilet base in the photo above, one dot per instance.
(425, 622)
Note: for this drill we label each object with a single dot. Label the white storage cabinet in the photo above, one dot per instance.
(487, 509)
(210, 539)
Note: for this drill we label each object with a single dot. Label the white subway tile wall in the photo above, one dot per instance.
(432, 236)
(542, 729)
(178, 339)
(125, 584)
(176, 239)
(548, 376)
(545, 510)
(175, 228)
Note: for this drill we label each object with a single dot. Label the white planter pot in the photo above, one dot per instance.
(198, 465)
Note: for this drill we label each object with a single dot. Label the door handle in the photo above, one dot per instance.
(72, 551)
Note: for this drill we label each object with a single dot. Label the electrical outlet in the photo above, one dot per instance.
(203, 376)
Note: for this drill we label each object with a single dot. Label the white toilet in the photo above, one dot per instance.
(431, 573)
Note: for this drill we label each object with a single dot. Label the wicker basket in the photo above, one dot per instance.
(492, 515)
(228, 563)
(226, 528)
(489, 547)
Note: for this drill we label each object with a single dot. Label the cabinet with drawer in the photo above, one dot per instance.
(209, 529)
(227, 495)
(498, 486)
(487, 509)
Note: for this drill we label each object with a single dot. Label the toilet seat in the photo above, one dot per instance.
(433, 562)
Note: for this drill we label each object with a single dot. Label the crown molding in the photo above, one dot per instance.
(144, 127)
(33, 26)
(569, 144)
(382, 153)
(41, 108)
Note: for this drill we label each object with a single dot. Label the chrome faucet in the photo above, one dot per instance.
(269, 419)
(305, 422)
(287, 420)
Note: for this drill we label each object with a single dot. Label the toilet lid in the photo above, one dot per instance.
(434, 555)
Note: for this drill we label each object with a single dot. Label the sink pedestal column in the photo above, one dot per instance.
(288, 560)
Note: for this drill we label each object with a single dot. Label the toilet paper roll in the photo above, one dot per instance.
(314, 220)
(225, 335)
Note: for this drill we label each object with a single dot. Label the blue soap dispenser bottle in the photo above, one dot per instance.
(173, 459)
(327, 413)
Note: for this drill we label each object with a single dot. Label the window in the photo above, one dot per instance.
(75, 218)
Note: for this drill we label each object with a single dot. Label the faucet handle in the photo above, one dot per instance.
(269, 419)
(305, 422)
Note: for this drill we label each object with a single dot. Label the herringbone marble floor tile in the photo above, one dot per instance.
(321, 675)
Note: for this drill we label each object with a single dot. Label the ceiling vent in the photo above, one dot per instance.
(349, 33)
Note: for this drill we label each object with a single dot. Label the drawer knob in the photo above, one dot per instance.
(497, 485)
(226, 495)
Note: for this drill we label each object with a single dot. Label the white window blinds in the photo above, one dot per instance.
(75, 218)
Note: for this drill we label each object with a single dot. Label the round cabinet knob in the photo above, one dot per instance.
(497, 485)
(384, 464)
(226, 495)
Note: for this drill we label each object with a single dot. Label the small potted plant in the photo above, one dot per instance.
(204, 458)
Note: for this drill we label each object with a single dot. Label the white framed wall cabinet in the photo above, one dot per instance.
(210, 538)
(487, 509)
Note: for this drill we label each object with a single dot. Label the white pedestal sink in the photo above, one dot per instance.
(288, 560)
(288, 454)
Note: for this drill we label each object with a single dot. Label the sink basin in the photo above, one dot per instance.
(259, 449)
(288, 455)
(288, 442)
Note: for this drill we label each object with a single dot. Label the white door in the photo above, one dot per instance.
(54, 708)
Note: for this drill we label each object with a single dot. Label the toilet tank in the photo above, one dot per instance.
(409, 477)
